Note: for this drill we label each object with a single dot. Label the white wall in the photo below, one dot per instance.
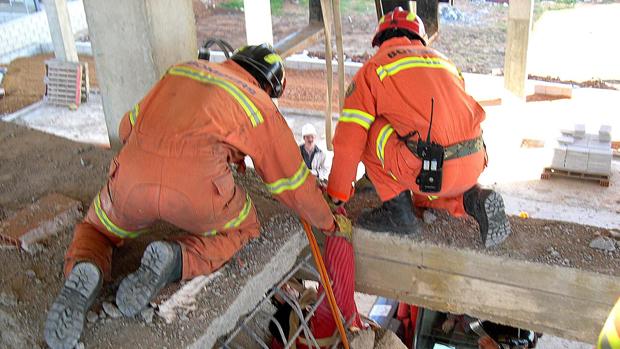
(28, 35)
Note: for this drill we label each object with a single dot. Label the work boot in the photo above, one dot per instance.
(487, 208)
(395, 215)
(65, 320)
(161, 264)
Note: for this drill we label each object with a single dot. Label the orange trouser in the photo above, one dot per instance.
(400, 168)
(197, 195)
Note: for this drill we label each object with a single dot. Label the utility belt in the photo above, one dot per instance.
(433, 155)
(455, 151)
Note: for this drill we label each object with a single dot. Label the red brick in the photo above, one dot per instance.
(42, 219)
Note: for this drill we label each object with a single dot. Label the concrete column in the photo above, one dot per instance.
(258, 21)
(60, 28)
(134, 43)
(519, 27)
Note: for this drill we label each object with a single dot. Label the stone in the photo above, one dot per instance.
(603, 243)
(91, 316)
(8, 299)
(147, 315)
(31, 274)
(429, 217)
(111, 310)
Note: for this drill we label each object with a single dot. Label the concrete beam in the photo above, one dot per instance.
(515, 61)
(134, 43)
(60, 29)
(258, 22)
(562, 301)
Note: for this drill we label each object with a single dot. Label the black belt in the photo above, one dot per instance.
(455, 151)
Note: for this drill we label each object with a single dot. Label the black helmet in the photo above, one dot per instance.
(265, 65)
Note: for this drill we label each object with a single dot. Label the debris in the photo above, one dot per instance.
(91, 316)
(147, 315)
(31, 274)
(364, 339)
(111, 310)
(42, 219)
(80, 345)
(429, 217)
(603, 243)
(385, 338)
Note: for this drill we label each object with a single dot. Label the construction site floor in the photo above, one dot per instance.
(34, 164)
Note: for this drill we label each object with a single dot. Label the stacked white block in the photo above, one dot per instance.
(585, 153)
(66, 83)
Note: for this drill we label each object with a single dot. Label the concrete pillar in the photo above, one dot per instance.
(134, 43)
(515, 64)
(258, 21)
(60, 28)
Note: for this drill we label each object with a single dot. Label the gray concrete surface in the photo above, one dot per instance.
(134, 42)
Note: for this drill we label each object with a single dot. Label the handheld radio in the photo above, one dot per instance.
(432, 156)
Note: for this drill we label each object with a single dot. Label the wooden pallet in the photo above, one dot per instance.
(66, 83)
(548, 172)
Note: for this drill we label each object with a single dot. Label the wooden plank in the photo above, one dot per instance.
(567, 302)
(300, 39)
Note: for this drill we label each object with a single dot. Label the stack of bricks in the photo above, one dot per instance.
(584, 153)
(66, 83)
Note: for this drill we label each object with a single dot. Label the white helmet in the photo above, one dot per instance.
(308, 129)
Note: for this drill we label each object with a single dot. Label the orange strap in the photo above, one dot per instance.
(318, 259)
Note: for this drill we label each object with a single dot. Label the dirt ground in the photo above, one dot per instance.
(34, 164)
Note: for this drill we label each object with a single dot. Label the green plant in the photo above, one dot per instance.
(232, 5)
(276, 7)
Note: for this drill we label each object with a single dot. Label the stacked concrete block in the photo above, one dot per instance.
(66, 83)
(584, 153)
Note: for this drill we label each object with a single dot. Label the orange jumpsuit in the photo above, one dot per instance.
(391, 96)
(178, 143)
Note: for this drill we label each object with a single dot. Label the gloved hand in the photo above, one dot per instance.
(344, 227)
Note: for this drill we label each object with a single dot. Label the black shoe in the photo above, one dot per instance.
(161, 264)
(395, 215)
(487, 208)
(65, 320)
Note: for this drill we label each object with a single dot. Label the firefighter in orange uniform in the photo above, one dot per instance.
(385, 123)
(178, 144)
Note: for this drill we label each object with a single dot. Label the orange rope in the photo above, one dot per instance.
(318, 260)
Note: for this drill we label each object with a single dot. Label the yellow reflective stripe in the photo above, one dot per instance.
(357, 116)
(432, 197)
(290, 183)
(133, 114)
(235, 222)
(250, 109)
(384, 134)
(415, 62)
(111, 227)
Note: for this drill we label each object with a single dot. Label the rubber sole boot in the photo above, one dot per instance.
(395, 215)
(160, 262)
(487, 208)
(65, 319)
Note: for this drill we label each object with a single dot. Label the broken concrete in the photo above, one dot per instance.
(40, 220)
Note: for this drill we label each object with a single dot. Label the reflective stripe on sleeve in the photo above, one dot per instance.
(357, 116)
(255, 116)
(290, 183)
(384, 134)
(133, 114)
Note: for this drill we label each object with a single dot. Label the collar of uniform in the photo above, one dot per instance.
(232, 65)
(400, 41)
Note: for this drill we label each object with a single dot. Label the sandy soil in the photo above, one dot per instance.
(34, 164)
